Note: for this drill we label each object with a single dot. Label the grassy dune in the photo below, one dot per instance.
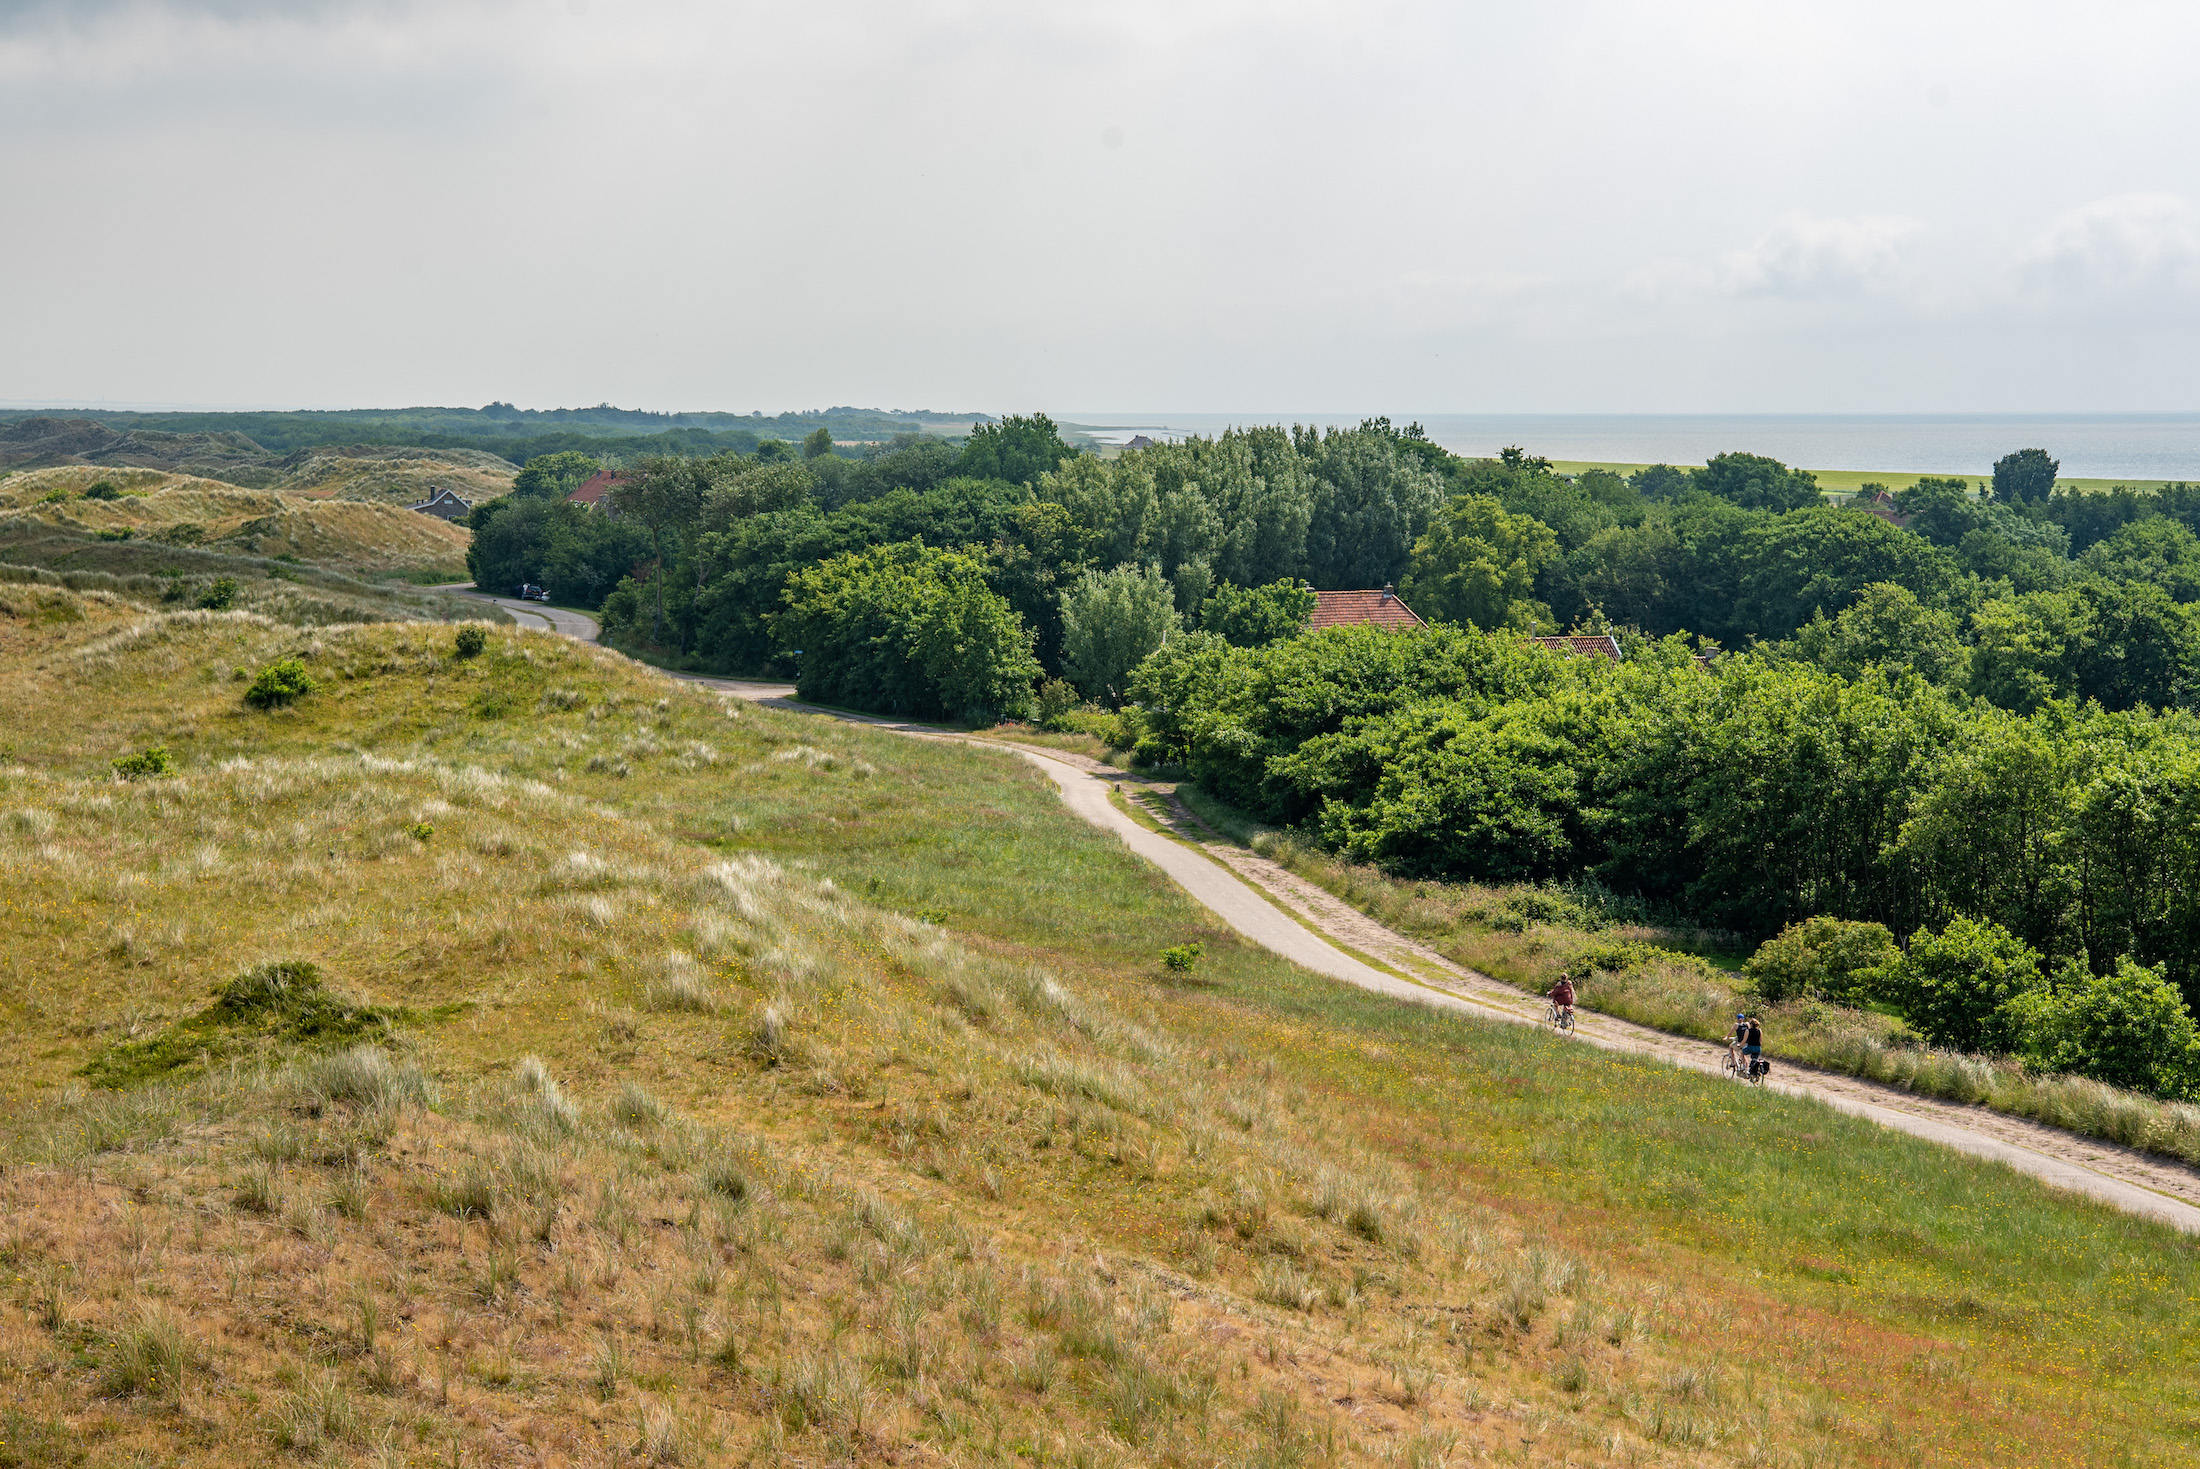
(687, 1083)
(394, 476)
(343, 535)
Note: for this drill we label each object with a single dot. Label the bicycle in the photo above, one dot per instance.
(1559, 1020)
(1740, 1067)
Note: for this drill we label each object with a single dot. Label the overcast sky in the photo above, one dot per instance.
(1211, 205)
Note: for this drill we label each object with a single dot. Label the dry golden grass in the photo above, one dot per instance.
(180, 509)
(690, 1150)
(395, 476)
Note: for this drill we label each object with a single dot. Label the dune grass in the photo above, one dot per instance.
(184, 510)
(775, 1090)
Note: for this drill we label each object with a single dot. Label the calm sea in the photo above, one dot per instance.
(2090, 445)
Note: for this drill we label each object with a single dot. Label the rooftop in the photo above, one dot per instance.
(1380, 607)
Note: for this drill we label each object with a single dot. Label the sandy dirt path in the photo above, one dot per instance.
(1290, 916)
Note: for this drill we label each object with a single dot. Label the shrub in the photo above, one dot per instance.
(103, 489)
(145, 763)
(420, 831)
(1820, 959)
(116, 533)
(1058, 699)
(220, 594)
(1179, 960)
(1251, 617)
(1956, 986)
(469, 642)
(907, 629)
(282, 682)
(54, 497)
(2129, 1028)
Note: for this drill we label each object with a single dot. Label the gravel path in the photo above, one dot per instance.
(1290, 916)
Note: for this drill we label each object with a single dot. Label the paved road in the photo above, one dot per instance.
(534, 615)
(2055, 1157)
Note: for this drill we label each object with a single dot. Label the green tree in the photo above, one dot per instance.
(1885, 627)
(1111, 621)
(2026, 477)
(1248, 617)
(1018, 449)
(554, 476)
(1955, 986)
(664, 496)
(906, 629)
(1790, 566)
(818, 444)
(2156, 550)
(1659, 482)
(1478, 564)
(2129, 1027)
(1822, 958)
(1756, 483)
(1939, 509)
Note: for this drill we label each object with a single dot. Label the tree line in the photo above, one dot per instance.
(1965, 715)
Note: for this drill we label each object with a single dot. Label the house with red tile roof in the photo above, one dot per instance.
(595, 492)
(1376, 608)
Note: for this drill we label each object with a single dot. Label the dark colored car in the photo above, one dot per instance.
(533, 593)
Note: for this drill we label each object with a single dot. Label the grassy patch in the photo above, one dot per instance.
(726, 1160)
(272, 1005)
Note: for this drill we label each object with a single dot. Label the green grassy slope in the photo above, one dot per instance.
(866, 1125)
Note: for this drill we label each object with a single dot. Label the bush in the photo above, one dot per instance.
(1251, 617)
(116, 533)
(1181, 958)
(907, 629)
(1820, 959)
(1957, 986)
(469, 642)
(145, 764)
(1057, 700)
(103, 489)
(282, 682)
(2129, 1028)
(220, 595)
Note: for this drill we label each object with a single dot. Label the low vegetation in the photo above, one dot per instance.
(718, 1085)
(344, 535)
(1655, 975)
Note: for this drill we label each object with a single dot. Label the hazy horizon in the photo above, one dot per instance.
(1618, 207)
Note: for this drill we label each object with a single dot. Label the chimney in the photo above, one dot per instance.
(1389, 593)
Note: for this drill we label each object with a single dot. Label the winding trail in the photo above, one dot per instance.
(1289, 916)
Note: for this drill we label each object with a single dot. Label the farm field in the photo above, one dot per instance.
(1849, 481)
(753, 1087)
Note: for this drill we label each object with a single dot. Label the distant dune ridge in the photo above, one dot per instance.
(387, 473)
(346, 534)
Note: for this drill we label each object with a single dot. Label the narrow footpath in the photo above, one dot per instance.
(1287, 915)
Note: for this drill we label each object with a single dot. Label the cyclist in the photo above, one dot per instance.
(1753, 1046)
(1740, 1038)
(1562, 1001)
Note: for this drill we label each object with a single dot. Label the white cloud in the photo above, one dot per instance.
(2128, 242)
(1803, 256)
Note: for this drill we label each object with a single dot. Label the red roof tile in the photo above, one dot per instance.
(1342, 609)
(595, 487)
(1583, 645)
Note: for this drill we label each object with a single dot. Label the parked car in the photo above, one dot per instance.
(533, 593)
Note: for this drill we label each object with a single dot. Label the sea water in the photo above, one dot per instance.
(2138, 446)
